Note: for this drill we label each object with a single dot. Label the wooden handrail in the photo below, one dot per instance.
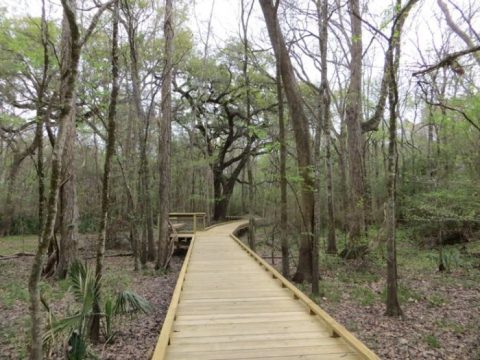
(164, 339)
(336, 329)
(194, 216)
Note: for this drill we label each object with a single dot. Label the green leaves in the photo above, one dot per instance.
(83, 285)
(20, 42)
(128, 303)
(10, 121)
(109, 315)
(77, 347)
(447, 259)
(457, 203)
(258, 132)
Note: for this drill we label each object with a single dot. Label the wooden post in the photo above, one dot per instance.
(194, 223)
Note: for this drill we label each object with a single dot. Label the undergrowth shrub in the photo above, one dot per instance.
(445, 216)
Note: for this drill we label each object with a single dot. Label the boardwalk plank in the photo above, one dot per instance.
(327, 351)
(232, 306)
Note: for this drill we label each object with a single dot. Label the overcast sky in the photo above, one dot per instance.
(226, 16)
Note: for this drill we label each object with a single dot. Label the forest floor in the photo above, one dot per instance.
(136, 337)
(441, 309)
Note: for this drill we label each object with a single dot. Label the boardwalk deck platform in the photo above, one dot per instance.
(230, 304)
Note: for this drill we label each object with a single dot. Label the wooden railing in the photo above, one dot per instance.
(191, 222)
(335, 329)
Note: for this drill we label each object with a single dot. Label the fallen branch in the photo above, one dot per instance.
(119, 255)
(16, 255)
(111, 255)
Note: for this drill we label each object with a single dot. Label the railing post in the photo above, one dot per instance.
(194, 223)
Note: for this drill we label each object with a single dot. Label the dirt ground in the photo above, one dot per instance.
(433, 326)
(136, 337)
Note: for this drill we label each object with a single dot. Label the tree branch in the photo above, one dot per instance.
(448, 60)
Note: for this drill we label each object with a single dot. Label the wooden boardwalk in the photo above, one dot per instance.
(230, 304)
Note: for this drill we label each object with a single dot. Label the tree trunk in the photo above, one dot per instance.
(95, 328)
(40, 174)
(331, 236)
(322, 13)
(283, 177)
(243, 193)
(302, 140)
(145, 209)
(353, 116)
(393, 60)
(376, 195)
(164, 142)
(245, 15)
(222, 192)
(342, 164)
(69, 77)
(135, 227)
(318, 202)
(151, 250)
(42, 118)
(132, 212)
(393, 305)
(143, 180)
(68, 197)
(251, 206)
(68, 204)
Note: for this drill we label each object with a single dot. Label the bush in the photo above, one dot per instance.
(447, 259)
(88, 223)
(24, 224)
(444, 216)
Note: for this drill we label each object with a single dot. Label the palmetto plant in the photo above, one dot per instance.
(74, 328)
